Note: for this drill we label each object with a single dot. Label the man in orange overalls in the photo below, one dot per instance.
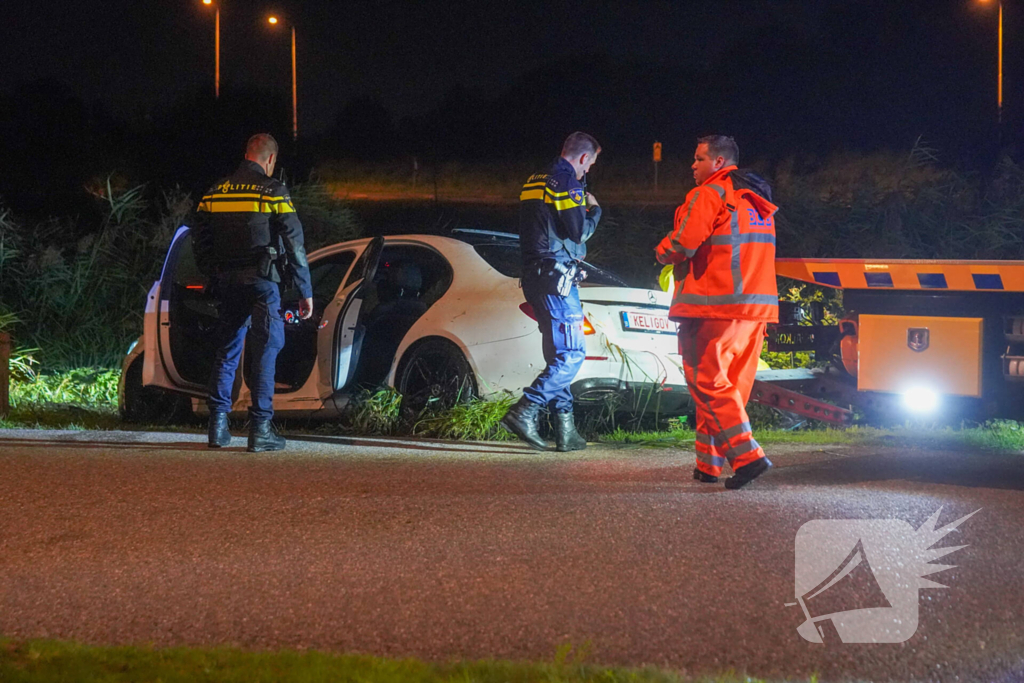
(723, 248)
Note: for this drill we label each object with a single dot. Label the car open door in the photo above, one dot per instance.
(338, 345)
(180, 340)
(153, 371)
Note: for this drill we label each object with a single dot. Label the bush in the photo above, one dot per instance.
(79, 296)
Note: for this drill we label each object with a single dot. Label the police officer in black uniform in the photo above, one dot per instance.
(246, 237)
(556, 218)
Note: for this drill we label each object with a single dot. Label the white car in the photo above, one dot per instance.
(438, 318)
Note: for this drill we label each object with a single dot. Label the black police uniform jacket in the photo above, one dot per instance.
(245, 224)
(554, 221)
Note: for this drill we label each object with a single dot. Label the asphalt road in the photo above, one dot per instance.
(491, 551)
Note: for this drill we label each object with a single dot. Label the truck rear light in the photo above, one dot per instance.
(528, 310)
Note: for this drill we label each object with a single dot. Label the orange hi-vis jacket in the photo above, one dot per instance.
(726, 237)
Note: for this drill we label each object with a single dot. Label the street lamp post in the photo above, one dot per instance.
(999, 91)
(1000, 95)
(216, 49)
(295, 86)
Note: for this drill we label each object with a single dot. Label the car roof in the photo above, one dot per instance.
(470, 236)
(440, 242)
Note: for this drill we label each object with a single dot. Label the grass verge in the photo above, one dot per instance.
(995, 435)
(45, 661)
(86, 398)
(83, 398)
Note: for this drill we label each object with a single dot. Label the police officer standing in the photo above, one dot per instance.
(247, 236)
(556, 218)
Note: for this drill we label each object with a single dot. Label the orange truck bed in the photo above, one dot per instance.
(943, 336)
(906, 274)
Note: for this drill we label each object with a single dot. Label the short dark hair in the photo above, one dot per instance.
(580, 143)
(721, 146)
(260, 147)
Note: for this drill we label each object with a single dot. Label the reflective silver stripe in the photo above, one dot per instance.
(749, 238)
(719, 189)
(737, 272)
(712, 460)
(704, 439)
(682, 226)
(741, 428)
(740, 449)
(727, 299)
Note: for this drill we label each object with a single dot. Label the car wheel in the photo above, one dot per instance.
(151, 405)
(435, 375)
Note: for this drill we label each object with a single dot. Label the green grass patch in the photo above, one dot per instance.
(83, 398)
(995, 435)
(94, 389)
(476, 420)
(45, 661)
(60, 417)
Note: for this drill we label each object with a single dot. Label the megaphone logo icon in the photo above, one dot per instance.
(857, 580)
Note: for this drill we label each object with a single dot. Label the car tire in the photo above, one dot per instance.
(152, 405)
(434, 374)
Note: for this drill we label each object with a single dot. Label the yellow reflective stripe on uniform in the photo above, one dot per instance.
(531, 194)
(561, 204)
(232, 195)
(237, 207)
(281, 207)
(541, 183)
(557, 195)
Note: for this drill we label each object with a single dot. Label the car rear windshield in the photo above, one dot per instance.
(505, 259)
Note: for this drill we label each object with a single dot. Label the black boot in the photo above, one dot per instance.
(263, 437)
(748, 473)
(704, 477)
(521, 420)
(219, 434)
(566, 436)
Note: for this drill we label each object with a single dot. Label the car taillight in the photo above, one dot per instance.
(528, 310)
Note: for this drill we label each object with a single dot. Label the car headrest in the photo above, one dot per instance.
(405, 279)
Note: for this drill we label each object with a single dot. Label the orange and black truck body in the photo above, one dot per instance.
(946, 336)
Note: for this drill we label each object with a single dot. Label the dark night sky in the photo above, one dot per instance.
(936, 57)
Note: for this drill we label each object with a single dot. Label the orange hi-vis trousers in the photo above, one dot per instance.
(719, 362)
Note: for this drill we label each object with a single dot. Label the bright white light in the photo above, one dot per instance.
(920, 400)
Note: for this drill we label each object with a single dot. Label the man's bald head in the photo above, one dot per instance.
(261, 147)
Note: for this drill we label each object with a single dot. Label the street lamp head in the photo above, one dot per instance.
(271, 20)
(207, 2)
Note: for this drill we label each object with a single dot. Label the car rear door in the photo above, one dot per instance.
(180, 321)
(338, 345)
